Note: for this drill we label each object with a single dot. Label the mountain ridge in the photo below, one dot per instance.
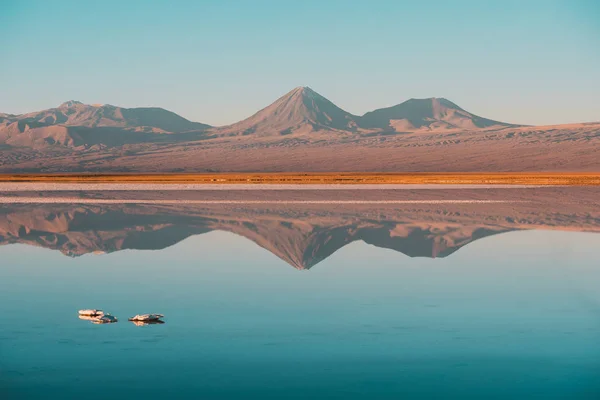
(302, 131)
(429, 113)
(301, 110)
(76, 113)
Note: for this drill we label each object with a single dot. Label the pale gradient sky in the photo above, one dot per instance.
(532, 62)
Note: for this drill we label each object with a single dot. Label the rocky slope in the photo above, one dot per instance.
(300, 111)
(77, 125)
(427, 114)
(301, 131)
(75, 113)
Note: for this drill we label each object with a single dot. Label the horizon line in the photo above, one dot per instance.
(289, 92)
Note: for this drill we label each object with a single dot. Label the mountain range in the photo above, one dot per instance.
(301, 131)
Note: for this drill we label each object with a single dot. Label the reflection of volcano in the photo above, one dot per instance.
(300, 235)
(414, 241)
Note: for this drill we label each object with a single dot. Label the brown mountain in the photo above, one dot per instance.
(301, 131)
(75, 113)
(429, 114)
(74, 124)
(302, 110)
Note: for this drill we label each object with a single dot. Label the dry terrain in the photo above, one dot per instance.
(301, 131)
(579, 179)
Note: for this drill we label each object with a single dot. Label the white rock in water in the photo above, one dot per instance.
(91, 312)
(146, 317)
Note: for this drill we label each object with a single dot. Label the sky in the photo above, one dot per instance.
(217, 62)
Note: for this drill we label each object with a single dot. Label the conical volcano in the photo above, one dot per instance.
(301, 110)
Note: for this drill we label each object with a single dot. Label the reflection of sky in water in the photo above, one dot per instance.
(512, 315)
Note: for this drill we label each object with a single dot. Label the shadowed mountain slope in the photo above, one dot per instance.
(301, 110)
(75, 113)
(431, 114)
(78, 125)
(300, 132)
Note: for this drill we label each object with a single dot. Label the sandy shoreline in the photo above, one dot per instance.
(319, 179)
(53, 186)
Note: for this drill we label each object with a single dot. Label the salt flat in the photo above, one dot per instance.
(78, 200)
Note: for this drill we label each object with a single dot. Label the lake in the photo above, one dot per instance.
(413, 293)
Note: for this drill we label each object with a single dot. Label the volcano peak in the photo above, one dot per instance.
(301, 110)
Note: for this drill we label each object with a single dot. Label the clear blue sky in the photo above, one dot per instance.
(535, 61)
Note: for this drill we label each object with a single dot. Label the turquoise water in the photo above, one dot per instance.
(515, 315)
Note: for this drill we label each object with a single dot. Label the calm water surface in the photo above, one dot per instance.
(512, 315)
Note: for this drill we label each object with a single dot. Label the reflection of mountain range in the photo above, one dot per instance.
(301, 236)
